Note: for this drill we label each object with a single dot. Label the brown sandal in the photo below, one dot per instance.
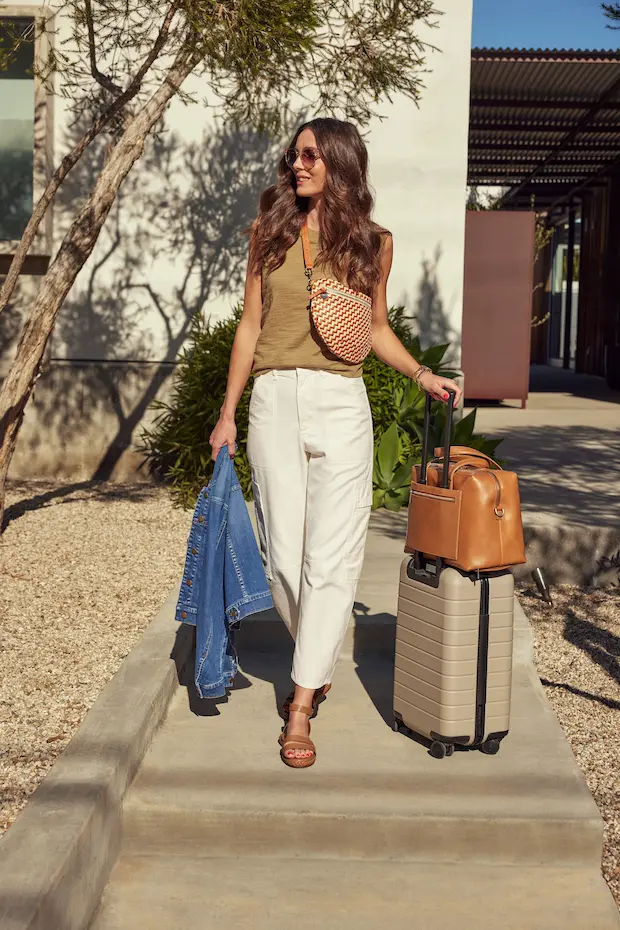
(319, 696)
(289, 743)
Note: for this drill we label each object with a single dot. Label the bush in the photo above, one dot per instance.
(398, 413)
(177, 446)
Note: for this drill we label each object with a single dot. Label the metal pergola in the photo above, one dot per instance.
(544, 123)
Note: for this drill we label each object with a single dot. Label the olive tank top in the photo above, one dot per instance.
(288, 338)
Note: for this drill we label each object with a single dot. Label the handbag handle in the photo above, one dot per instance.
(445, 481)
(459, 452)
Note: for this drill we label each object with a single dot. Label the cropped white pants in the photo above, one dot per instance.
(310, 446)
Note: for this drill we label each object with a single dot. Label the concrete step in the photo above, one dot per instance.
(160, 893)
(213, 783)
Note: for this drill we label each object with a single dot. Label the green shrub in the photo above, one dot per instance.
(177, 446)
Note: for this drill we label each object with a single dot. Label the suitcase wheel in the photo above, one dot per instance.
(440, 750)
(491, 747)
(396, 725)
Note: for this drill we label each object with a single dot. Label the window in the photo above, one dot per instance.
(17, 113)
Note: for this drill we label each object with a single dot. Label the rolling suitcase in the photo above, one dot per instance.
(453, 657)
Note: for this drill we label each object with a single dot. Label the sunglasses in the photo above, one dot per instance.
(308, 157)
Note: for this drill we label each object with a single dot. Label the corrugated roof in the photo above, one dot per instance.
(545, 54)
(543, 119)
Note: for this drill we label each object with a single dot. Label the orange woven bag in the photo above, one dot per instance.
(342, 317)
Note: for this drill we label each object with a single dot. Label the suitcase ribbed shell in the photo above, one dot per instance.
(436, 660)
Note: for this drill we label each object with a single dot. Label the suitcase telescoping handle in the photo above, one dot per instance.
(447, 439)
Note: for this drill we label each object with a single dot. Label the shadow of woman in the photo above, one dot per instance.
(264, 650)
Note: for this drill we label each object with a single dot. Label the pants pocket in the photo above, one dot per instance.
(359, 527)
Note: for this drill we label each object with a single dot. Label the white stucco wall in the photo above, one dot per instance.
(148, 264)
(419, 170)
(173, 246)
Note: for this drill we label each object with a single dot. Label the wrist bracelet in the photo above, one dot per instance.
(419, 374)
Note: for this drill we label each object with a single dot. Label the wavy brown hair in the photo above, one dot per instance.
(350, 242)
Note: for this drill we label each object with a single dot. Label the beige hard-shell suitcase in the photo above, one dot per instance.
(453, 659)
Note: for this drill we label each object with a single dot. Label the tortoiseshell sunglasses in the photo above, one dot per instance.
(308, 157)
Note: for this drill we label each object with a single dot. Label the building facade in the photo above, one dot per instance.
(174, 243)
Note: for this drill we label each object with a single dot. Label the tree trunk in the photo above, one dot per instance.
(71, 256)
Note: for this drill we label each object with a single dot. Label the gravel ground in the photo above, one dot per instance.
(83, 569)
(577, 655)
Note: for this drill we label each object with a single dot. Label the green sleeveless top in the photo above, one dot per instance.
(287, 338)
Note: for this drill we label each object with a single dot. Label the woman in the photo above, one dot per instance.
(310, 440)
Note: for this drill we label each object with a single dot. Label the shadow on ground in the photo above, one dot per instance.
(42, 494)
(547, 380)
(570, 471)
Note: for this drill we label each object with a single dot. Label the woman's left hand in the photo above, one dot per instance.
(438, 387)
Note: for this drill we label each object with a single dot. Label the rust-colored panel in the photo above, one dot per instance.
(497, 304)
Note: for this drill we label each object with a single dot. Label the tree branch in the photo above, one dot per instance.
(106, 82)
(74, 156)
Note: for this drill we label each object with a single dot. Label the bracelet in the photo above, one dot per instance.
(419, 374)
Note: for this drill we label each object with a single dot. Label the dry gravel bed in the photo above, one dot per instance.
(577, 656)
(82, 572)
(83, 568)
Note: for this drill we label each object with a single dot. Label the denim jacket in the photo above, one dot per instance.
(223, 579)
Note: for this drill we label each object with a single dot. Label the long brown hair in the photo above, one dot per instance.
(350, 242)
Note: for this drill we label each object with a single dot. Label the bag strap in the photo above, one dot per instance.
(305, 242)
(457, 453)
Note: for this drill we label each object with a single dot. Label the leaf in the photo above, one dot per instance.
(433, 356)
(377, 498)
(402, 476)
(464, 429)
(388, 452)
(416, 349)
(392, 502)
(377, 478)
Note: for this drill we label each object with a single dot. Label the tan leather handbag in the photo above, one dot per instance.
(464, 508)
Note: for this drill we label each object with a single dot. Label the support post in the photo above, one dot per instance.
(570, 263)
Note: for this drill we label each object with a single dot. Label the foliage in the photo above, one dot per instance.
(399, 447)
(612, 12)
(479, 199)
(392, 470)
(543, 236)
(122, 62)
(177, 445)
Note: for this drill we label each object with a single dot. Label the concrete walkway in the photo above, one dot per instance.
(377, 834)
(565, 447)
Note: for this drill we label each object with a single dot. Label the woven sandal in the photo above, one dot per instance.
(319, 696)
(291, 743)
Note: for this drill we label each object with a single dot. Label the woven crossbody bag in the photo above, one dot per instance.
(342, 317)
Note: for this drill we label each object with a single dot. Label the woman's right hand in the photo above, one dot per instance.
(224, 434)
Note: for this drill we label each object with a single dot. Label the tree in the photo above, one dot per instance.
(612, 12)
(127, 59)
(479, 199)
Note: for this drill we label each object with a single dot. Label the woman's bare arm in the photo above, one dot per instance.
(241, 358)
(388, 347)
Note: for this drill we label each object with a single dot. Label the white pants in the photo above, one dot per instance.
(310, 446)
